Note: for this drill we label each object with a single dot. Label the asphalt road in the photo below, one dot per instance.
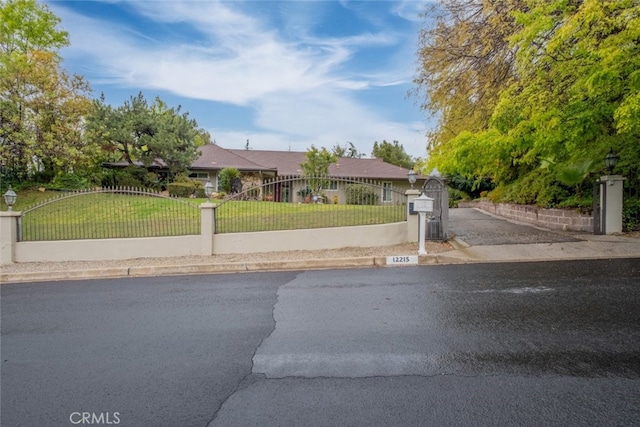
(554, 344)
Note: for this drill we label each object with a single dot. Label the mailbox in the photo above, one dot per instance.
(423, 204)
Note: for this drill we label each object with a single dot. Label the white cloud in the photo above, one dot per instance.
(299, 86)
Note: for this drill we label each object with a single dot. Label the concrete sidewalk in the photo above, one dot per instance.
(476, 237)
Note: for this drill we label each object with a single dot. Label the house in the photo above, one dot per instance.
(260, 167)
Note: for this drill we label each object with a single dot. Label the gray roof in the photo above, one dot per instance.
(214, 157)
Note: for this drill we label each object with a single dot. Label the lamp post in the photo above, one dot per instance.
(10, 198)
(208, 191)
(611, 160)
(412, 177)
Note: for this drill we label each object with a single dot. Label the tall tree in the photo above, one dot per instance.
(316, 167)
(571, 94)
(41, 106)
(348, 150)
(392, 153)
(139, 132)
(465, 61)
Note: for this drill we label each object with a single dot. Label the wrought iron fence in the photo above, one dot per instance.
(631, 204)
(103, 213)
(292, 202)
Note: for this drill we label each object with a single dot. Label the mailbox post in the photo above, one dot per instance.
(423, 205)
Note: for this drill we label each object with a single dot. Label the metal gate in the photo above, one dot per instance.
(599, 209)
(438, 223)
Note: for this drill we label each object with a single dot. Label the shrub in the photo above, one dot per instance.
(631, 214)
(131, 176)
(186, 188)
(69, 181)
(183, 189)
(226, 177)
(361, 194)
(455, 196)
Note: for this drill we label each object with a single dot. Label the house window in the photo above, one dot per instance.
(332, 185)
(386, 191)
(199, 175)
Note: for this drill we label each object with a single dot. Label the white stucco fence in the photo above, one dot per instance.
(207, 243)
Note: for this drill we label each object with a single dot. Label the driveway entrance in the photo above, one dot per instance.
(477, 228)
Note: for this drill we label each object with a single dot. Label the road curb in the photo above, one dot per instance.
(257, 266)
(46, 276)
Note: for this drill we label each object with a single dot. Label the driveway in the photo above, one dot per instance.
(478, 229)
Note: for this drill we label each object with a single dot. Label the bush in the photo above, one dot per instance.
(361, 194)
(226, 177)
(181, 189)
(456, 196)
(631, 214)
(536, 188)
(131, 176)
(69, 181)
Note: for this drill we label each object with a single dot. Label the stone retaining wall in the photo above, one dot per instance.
(555, 219)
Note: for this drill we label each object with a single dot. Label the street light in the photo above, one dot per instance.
(208, 191)
(10, 198)
(611, 160)
(412, 177)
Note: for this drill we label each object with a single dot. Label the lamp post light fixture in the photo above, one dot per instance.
(208, 191)
(10, 198)
(611, 160)
(412, 177)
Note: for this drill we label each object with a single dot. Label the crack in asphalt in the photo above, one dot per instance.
(251, 378)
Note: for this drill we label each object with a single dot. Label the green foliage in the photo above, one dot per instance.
(348, 150)
(41, 107)
(537, 188)
(530, 91)
(70, 181)
(131, 176)
(584, 201)
(150, 134)
(226, 177)
(470, 188)
(360, 194)
(456, 196)
(316, 168)
(304, 192)
(574, 174)
(392, 153)
(182, 189)
(631, 214)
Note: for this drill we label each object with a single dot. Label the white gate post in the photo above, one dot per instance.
(207, 227)
(412, 218)
(8, 235)
(611, 201)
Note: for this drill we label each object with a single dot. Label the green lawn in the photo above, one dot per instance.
(108, 215)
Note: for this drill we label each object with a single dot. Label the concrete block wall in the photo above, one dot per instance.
(555, 219)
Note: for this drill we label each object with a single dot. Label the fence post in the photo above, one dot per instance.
(207, 227)
(8, 235)
(413, 231)
(611, 201)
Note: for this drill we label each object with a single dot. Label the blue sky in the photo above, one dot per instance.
(282, 74)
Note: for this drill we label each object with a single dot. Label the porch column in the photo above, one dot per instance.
(412, 218)
(207, 227)
(8, 235)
